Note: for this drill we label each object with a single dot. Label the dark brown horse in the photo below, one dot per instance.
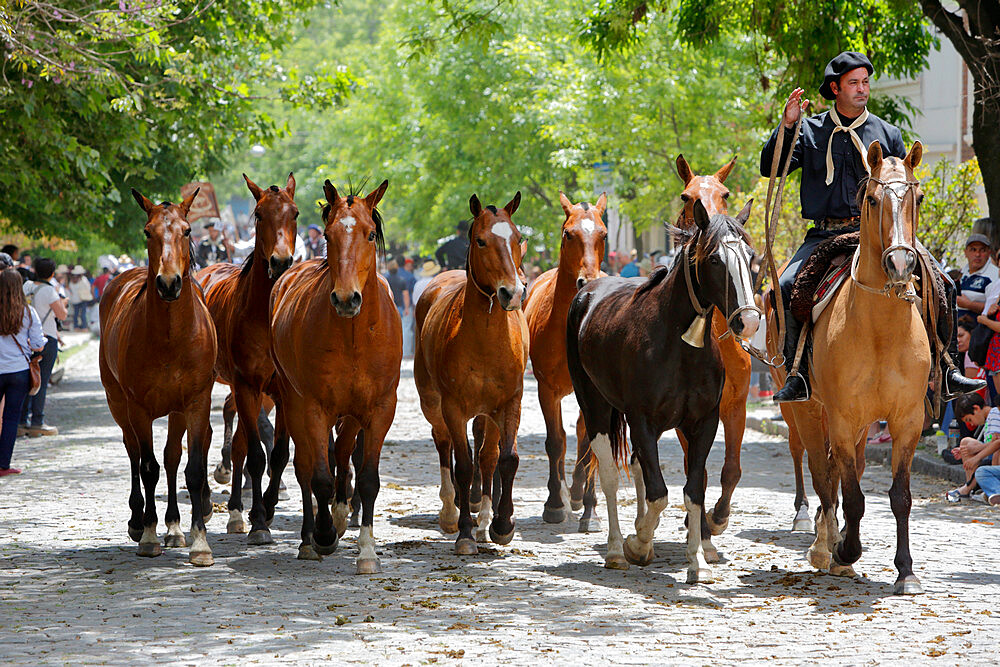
(472, 348)
(337, 344)
(580, 253)
(239, 300)
(712, 192)
(156, 357)
(640, 355)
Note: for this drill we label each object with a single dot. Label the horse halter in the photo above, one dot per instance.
(695, 333)
(475, 283)
(902, 290)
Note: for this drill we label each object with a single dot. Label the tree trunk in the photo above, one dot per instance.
(986, 142)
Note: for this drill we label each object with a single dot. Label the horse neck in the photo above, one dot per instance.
(257, 284)
(173, 317)
(485, 308)
(673, 299)
(565, 287)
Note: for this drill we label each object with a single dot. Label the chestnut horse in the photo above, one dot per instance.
(640, 355)
(870, 361)
(580, 253)
(470, 363)
(712, 192)
(239, 299)
(337, 345)
(156, 357)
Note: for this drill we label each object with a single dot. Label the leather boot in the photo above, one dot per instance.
(954, 382)
(796, 386)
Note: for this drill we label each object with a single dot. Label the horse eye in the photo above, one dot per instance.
(871, 200)
(296, 215)
(565, 233)
(685, 198)
(482, 243)
(920, 200)
(146, 232)
(725, 196)
(187, 232)
(371, 236)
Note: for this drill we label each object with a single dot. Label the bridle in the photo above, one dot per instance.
(901, 290)
(475, 283)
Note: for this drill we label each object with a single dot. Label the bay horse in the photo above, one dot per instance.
(156, 356)
(337, 345)
(238, 298)
(640, 356)
(580, 253)
(712, 192)
(870, 361)
(469, 363)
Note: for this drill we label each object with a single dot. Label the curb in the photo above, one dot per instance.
(923, 462)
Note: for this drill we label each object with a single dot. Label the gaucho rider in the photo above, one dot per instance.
(831, 152)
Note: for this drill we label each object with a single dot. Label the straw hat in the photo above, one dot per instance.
(62, 268)
(430, 268)
(79, 271)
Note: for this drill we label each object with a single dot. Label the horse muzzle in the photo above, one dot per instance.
(899, 263)
(511, 300)
(745, 321)
(278, 265)
(169, 289)
(346, 306)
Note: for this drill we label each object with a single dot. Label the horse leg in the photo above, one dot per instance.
(279, 459)
(368, 483)
(356, 459)
(149, 470)
(248, 401)
(305, 428)
(812, 437)
(585, 478)
(196, 476)
(607, 469)
(700, 434)
(556, 506)
(487, 451)
(349, 438)
(508, 418)
(734, 421)
(638, 548)
(802, 521)
(238, 454)
(465, 544)
(224, 469)
(904, 442)
(171, 460)
(325, 535)
(847, 551)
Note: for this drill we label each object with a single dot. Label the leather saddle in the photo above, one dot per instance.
(823, 273)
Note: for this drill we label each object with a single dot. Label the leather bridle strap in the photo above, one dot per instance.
(472, 278)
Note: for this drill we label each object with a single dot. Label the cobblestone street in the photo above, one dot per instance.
(73, 591)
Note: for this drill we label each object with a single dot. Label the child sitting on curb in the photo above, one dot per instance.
(972, 410)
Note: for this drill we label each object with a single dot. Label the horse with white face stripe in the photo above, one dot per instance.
(469, 363)
(640, 354)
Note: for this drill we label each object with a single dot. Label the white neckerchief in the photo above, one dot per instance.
(854, 138)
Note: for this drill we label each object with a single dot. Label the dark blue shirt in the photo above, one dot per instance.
(839, 199)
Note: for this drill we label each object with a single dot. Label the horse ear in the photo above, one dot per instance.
(912, 158)
(524, 248)
(186, 204)
(254, 190)
(290, 186)
(700, 215)
(567, 205)
(744, 213)
(474, 206)
(684, 169)
(375, 196)
(723, 173)
(143, 203)
(513, 203)
(602, 203)
(875, 158)
(332, 198)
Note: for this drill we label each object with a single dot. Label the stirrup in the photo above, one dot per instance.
(965, 385)
(777, 398)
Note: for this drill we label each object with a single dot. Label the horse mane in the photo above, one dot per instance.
(248, 262)
(356, 191)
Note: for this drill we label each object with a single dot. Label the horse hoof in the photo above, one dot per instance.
(908, 586)
(711, 554)
(716, 527)
(481, 534)
(283, 494)
(501, 539)
(134, 534)
(355, 522)
(616, 562)
(700, 575)
(260, 537)
(174, 540)
(842, 570)
(447, 527)
(236, 524)
(475, 507)
(802, 526)
(201, 559)
(222, 474)
(553, 514)
(591, 525)
(819, 559)
(466, 546)
(576, 505)
(149, 549)
(634, 555)
(308, 552)
(369, 566)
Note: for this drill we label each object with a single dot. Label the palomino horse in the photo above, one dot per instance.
(639, 355)
(337, 343)
(712, 192)
(580, 254)
(870, 361)
(239, 299)
(470, 362)
(156, 357)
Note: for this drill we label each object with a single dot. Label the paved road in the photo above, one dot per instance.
(73, 591)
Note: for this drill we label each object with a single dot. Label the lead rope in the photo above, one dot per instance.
(472, 278)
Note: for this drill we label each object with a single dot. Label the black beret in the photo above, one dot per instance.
(462, 225)
(841, 65)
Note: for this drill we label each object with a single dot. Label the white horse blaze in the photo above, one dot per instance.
(738, 264)
(587, 225)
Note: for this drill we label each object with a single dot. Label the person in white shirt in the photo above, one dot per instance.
(977, 275)
(80, 296)
(429, 269)
(46, 302)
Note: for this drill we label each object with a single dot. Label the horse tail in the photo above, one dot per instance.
(619, 443)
